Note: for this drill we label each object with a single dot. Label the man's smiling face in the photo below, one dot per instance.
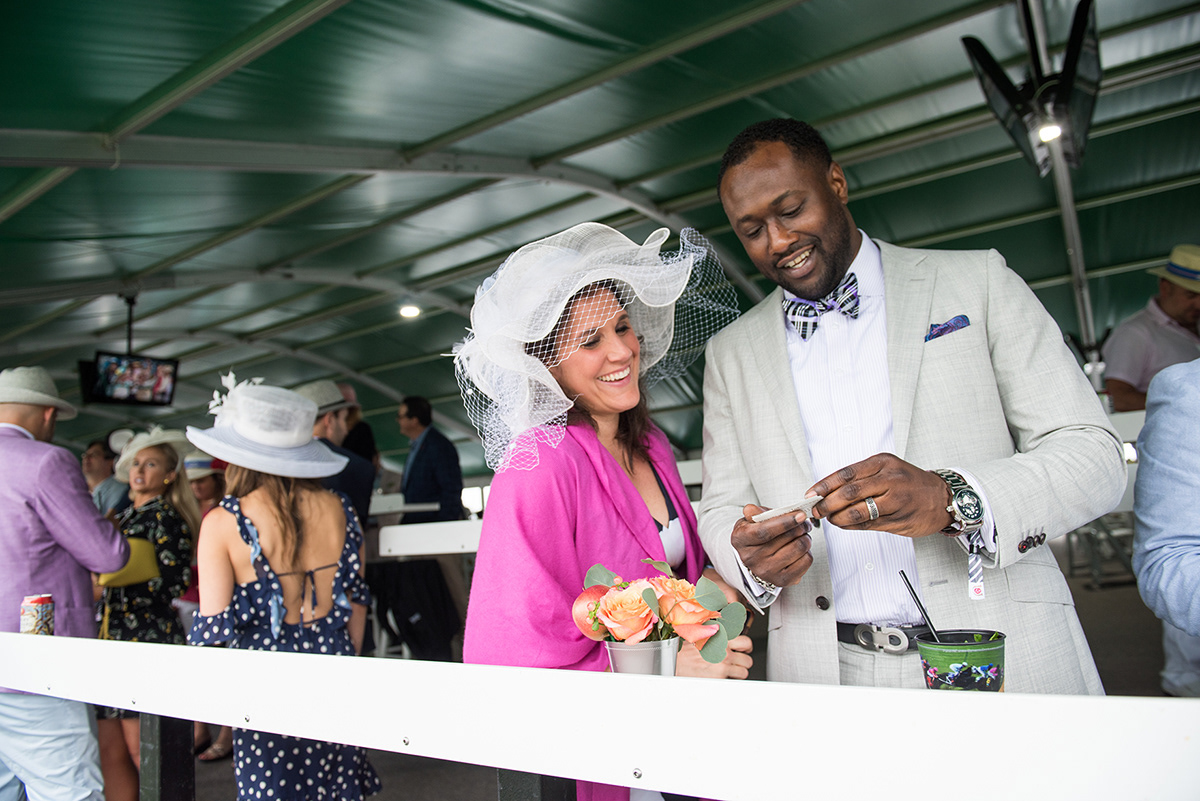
(790, 214)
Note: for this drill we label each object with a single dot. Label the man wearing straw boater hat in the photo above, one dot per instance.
(1160, 335)
(52, 539)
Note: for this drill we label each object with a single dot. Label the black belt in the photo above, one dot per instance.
(890, 639)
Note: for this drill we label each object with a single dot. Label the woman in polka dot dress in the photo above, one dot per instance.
(281, 569)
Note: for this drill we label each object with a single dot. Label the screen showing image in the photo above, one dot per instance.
(128, 378)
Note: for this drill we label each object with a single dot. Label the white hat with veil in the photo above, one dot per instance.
(676, 301)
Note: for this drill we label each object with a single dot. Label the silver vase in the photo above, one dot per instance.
(647, 658)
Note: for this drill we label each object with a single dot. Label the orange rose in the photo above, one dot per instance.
(626, 614)
(679, 607)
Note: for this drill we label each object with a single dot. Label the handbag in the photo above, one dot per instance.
(141, 567)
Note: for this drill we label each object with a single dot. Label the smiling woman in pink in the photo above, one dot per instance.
(566, 338)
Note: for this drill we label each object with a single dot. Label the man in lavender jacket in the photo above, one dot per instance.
(51, 539)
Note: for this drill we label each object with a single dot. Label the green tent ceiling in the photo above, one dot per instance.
(271, 181)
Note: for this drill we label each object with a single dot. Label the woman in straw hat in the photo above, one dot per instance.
(281, 569)
(565, 340)
(164, 512)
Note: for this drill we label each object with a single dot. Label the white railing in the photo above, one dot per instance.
(715, 739)
(429, 539)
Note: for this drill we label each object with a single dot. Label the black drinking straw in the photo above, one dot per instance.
(920, 606)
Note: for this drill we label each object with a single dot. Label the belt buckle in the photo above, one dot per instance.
(888, 639)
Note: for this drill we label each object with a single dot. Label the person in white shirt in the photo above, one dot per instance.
(1160, 335)
(868, 369)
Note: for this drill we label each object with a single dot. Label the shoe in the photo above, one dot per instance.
(216, 752)
(202, 746)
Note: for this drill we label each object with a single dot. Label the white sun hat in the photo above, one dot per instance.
(156, 437)
(676, 301)
(33, 385)
(267, 429)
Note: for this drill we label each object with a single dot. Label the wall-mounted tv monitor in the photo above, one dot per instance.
(128, 379)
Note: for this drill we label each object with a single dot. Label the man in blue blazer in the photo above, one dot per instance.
(431, 472)
(431, 600)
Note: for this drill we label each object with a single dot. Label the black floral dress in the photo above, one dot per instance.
(143, 612)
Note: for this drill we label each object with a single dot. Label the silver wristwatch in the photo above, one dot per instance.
(965, 505)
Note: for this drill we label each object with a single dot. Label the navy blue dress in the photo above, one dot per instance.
(275, 766)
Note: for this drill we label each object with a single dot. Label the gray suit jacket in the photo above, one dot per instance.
(1002, 398)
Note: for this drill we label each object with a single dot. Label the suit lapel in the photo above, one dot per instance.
(768, 343)
(907, 297)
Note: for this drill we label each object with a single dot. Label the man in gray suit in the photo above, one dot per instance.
(928, 396)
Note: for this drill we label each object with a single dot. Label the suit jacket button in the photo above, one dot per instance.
(1022, 546)
(1041, 539)
(822, 602)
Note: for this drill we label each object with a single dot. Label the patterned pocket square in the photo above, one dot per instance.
(953, 324)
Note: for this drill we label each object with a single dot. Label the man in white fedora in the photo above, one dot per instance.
(331, 426)
(52, 539)
(1160, 335)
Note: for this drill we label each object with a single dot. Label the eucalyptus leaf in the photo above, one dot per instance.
(599, 574)
(733, 619)
(650, 598)
(714, 650)
(661, 567)
(709, 595)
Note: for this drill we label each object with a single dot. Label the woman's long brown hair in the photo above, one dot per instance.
(283, 495)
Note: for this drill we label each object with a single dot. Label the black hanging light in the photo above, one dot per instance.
(1045, 107)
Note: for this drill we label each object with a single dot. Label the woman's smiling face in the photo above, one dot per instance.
(600, 371)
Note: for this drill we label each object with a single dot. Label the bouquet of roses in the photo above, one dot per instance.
(657, 608)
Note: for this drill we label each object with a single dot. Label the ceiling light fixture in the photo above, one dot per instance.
(1045, 107)
(1049, 132)
(409, 310)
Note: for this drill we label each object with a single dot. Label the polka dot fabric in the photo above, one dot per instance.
(274, 766)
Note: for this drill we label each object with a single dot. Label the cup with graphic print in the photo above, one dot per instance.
(964, 659)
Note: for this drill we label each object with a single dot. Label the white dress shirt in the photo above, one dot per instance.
(840, 374)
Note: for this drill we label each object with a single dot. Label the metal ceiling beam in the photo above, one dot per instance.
(276, 349)
(648, 57)
(770, 82)
(1101, 272)
(324, 278)
(1012, 221)
(329, 244)
(273, 29)
(970, 120)
(1127, 76)
(371, 160)
(262, 220)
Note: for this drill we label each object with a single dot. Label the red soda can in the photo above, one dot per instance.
(37, 614)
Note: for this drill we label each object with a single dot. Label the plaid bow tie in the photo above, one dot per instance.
(803, 315)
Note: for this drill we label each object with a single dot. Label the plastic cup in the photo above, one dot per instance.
(965, 659)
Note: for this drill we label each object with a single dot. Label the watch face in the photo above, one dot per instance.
(968, 505)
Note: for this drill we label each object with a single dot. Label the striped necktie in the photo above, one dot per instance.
(803, 315)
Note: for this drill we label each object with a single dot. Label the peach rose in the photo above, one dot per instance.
(583, 612)
(626, 614)
(678, 606)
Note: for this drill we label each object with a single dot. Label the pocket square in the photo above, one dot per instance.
(953, 324)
